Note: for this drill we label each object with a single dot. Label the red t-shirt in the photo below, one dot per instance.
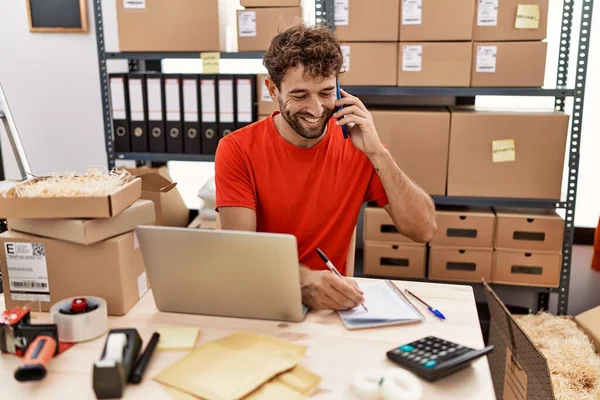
(312, 193)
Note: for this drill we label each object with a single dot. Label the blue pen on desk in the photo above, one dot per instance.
(431, 309)
(339, 97)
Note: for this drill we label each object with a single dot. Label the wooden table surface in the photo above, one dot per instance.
(334, 352)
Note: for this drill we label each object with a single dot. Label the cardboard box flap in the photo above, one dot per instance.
(508, 337)
(153, 182)
(589, 322)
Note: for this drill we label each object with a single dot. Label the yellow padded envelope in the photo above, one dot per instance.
(294, 384)
(233, 367)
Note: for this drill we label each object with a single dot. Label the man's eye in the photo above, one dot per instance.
(299, 97)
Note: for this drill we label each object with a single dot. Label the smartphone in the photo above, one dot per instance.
(339, 96)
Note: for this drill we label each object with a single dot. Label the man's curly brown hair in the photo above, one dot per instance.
(316, 48)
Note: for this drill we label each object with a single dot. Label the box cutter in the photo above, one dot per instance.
(38, 343)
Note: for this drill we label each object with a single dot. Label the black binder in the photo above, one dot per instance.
(209, 106)
(173, 123)
(155, 110)
(119, 106)
(190, 88)
(227, 104)
(137, 113)
(245, 94)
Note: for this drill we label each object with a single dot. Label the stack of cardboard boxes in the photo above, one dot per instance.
(261, 20)
(505, 246)
(388, 253)
(528, 247)
(435, 43)
(507, 43)
(369, 36)
(486, 43)
(462, 249)
(58, 248)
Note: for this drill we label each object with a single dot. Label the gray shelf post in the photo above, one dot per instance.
(104, 89)
(576, 131)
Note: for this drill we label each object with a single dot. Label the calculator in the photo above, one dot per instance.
(433, 358)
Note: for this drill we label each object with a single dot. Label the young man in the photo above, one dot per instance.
(294, 172)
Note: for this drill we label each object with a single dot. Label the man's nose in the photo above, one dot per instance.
(315, 107)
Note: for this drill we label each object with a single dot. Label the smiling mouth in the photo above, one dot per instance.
(311, 120)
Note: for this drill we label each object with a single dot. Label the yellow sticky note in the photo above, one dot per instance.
(503, 150)
(181, 338)
(528, 16)
(210, 62)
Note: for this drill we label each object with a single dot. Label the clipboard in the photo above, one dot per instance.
(387, 306)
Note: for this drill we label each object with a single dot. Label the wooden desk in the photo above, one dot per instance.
(333, 352)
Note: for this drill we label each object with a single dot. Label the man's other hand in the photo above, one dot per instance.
(323, 290)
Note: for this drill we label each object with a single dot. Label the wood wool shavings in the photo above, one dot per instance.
(573, 363)
(95, 182)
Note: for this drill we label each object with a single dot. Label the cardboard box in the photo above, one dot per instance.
(511, 64)
(394, 260)
(460, 263)
(266, 105)
(360, 67)
(69, 207)
(175, 25)
(88, 231)
(512, 20)
(529, 229)
(507, 154)
(256, 27)
(52, 270)
(515, 352)
(379, 227)
(417, 137)
(465, 226)
(364, 21)
(434, 63)
(270, 3)
(169, 206)
(527, 268)
(437, 21)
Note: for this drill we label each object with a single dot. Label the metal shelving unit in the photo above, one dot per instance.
(324, 13)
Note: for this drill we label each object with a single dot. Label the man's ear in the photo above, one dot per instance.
(272, 88)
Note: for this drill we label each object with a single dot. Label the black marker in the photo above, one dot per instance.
(140, 366)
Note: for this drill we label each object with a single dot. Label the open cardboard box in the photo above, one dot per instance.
(519, 369)
(168, 204)
(68, 207)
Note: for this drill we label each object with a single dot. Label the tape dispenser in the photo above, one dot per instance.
(119, 356)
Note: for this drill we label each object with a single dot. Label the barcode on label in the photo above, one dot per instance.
(38, 249)
(30, 285)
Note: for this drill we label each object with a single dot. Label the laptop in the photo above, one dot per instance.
(223, 273)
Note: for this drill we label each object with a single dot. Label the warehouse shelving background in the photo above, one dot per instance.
(324, 14)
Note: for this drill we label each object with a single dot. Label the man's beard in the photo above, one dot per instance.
(295, 123)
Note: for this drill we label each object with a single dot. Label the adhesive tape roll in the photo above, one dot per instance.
(393, 384)
(399, 384)
(81, 326)
(366, 384)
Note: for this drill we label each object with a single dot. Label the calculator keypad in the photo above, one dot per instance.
(430, 352)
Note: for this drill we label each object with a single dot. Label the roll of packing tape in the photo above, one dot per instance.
(80, 318)
(392, 384)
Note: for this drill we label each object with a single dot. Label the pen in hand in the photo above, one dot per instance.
(431, 309)
(333, 269)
